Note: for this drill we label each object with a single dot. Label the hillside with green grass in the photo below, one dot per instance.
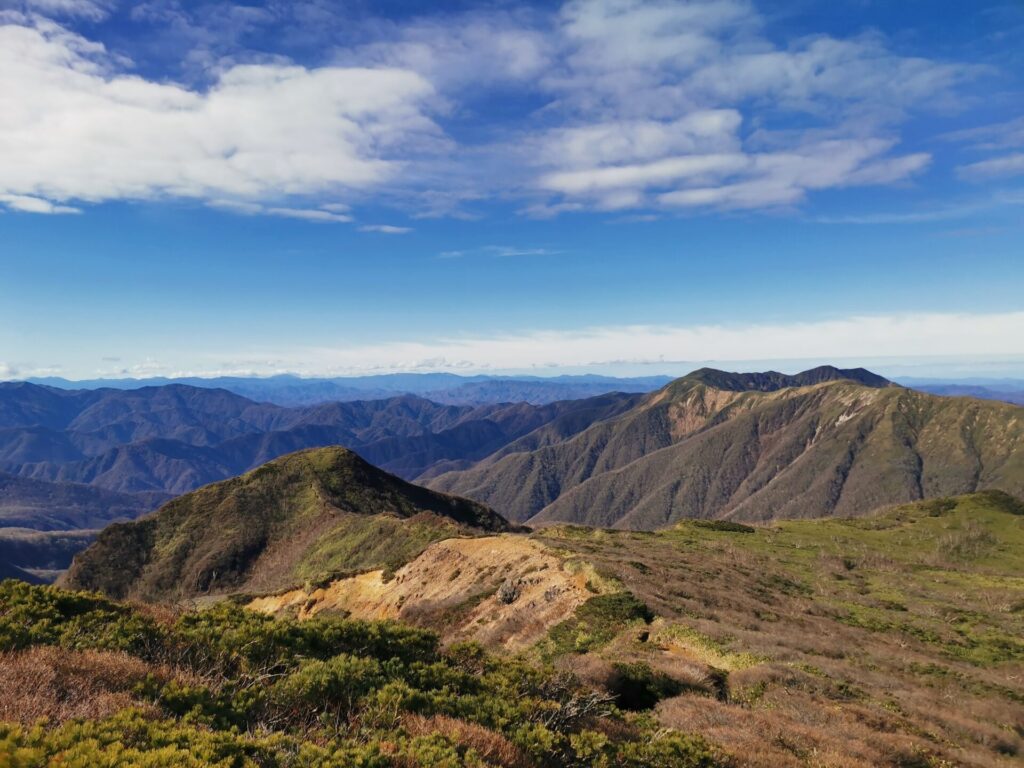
(302, 518)
(892, 639)
(889, 639)
(756, 447)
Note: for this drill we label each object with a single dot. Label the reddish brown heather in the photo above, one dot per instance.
(490, 745)
(58, 685)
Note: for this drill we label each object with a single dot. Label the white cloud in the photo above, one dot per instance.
(615, 105)
(656, 173)
(875, 336)
(661, 58)
(74, 127)
(737, 179)
(918, 217)
(607, 31)
(498, 251)
(658, 95)
(551, 210)
(385, 229)
(457, 52)
(712, 130)
(994, 168)
(1008, 134)
(307, 214)
(28, 204)
(325, 213)
(91, 10)
(826, 74)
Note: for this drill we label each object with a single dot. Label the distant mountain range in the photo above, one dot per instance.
(445, 388)
(1007, 392)
(79, 459)
(755, 447)
(41, 506)
(174, 438)
(453, 389)
(43, 524)
(752, 446)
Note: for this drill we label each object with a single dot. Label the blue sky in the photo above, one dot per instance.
(630, 187)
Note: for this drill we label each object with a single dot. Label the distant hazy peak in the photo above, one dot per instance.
(769, 381)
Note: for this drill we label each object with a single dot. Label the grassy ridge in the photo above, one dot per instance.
(894, 639)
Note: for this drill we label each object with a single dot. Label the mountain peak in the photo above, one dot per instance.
(304, 516)
(769, 381)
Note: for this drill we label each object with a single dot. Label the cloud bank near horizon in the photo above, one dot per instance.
(868, 337)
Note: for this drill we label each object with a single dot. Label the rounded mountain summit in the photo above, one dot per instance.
(302, 518)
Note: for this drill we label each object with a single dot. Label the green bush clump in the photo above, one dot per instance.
(36, 615)
(236, 641)
(596, 622)
(237, 689)
(723, 525)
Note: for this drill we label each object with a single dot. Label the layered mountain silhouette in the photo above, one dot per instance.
(755, 447)
(164, 441)
(79, 460)
(290, 390)
(308, 516)
(1010, 392)
(38, 505)
(751, 446)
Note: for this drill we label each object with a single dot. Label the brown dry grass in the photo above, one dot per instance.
(57, 685)
(796, 732)
(489, 745)
(812, 688)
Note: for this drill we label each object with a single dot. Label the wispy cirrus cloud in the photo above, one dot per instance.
(91, 10)
(663, 99)
(1003, 166)
(325, 213)
(497, 252)
(385, 229)
(1007, 134)
(990, 139)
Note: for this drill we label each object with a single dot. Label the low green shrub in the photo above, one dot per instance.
(237, 689)
(596, 622)
(723, 525)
